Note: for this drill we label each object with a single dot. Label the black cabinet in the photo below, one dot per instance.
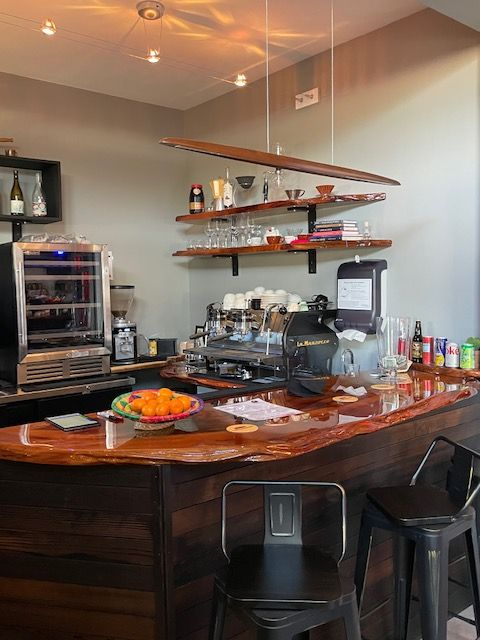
(51, 182)
(13, 413)
(17, 413)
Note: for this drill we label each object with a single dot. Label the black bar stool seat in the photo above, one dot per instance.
(415, 505)
(282, 576)
(283, 588)
(424, 520)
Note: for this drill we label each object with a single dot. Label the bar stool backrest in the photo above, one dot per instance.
(282, 510)
(462, 485)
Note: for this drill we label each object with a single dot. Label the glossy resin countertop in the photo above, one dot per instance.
(322, 421)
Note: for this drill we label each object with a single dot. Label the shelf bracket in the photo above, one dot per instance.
(16, 231)
(312, 261)
(312, 217)
(234, 264)
(234, 258)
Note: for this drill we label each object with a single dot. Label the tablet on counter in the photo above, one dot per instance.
(72, 422)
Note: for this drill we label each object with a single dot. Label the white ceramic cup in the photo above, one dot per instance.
(255, 241)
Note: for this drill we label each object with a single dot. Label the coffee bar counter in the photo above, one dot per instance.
(113, 533)
(320, 421)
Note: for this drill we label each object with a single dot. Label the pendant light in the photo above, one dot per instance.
(274, 160)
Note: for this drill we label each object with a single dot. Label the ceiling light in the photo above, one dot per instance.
(149, 10)
(48, 27)
(241, 80)
(153, 56)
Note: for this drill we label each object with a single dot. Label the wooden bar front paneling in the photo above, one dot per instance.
(117, 544)
(78, 552)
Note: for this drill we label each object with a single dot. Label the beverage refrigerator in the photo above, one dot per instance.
(55, 322)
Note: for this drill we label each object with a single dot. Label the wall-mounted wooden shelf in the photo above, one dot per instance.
(311, 248)
(284, 206)
(291, 248)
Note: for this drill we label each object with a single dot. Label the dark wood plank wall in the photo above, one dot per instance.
(79, 550)
(385, 457)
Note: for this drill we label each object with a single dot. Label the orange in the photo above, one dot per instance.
(137, 405)
(186, 402)
(149, 395)
(165, 394)
(163, 408)
(176, 406)
(150, 409)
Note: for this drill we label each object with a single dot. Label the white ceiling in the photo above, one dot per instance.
(98, 41)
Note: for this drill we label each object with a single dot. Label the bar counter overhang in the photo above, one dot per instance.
(107, 535)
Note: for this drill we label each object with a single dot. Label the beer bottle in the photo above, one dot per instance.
(417, 343)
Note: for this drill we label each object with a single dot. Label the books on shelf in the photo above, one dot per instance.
(335, 230)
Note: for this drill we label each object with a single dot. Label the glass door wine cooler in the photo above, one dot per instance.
(55, 323)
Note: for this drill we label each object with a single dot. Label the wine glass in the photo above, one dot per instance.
(393, 341)
(209, 232)
(242, 224)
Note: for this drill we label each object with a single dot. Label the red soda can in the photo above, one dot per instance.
(402, 345)
(428, 349)
(427, 387)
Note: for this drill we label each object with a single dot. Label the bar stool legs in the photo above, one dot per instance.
(473, 557)
(217, 616)
(363, 554)
(432, 559)
(351, 621)
(403, 558)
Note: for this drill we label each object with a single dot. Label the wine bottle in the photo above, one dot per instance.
(39, 204)
(228, 201)
(17, 204)
(417, 343)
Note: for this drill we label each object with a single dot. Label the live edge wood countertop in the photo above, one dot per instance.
(203, 437)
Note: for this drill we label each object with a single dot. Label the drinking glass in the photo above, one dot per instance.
(242, 224)
(393, 340)
(223, 233)
(209, 232)
(234, 232)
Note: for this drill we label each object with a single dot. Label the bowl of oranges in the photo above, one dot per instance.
(154, 406)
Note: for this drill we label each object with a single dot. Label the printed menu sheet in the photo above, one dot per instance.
(257, 409)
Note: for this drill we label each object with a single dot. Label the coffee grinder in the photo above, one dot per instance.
(124, 332)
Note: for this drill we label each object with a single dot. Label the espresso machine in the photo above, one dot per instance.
(266, 345)
(124, 332)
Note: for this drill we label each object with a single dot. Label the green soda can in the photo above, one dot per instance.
(467, 357)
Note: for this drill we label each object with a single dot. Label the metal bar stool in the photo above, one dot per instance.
(424, 519)
(282, 587)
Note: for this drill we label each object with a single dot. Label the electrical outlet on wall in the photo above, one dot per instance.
(307, 98)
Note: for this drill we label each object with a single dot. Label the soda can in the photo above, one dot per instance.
(467, 360)
(428, 349)
(452, 355)
(440, 351)
(427, 388)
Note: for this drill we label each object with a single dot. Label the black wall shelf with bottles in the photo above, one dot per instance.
(51, 183)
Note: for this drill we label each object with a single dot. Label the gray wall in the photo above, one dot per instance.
(120, 186)
(406, 106)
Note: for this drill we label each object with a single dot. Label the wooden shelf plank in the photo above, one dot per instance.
(29, 219)
(340, 244)
(230, 251)
(275, 207)
(278, 248)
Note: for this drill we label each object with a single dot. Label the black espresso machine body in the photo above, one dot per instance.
(309, 345)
